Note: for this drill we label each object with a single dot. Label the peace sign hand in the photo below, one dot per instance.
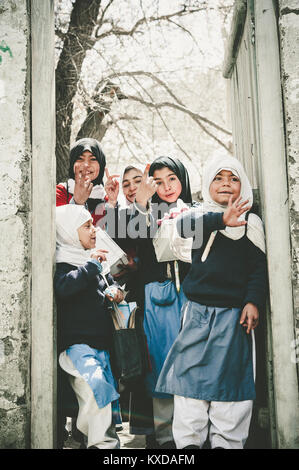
(147, 188)
(83, 186)
(111, 188)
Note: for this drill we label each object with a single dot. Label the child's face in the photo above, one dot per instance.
(169, 186)
(88, 165)
(224, 185)
(131, 181)
(87, 235)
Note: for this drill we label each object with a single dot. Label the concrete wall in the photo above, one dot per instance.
(15, 225)
(289, 33)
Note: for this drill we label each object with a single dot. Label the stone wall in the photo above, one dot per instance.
(15, 225)
(289, 33)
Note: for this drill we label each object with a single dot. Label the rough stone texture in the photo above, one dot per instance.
(289, 28)
(15, 201)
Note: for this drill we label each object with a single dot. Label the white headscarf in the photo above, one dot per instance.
(255, 231)
(123, 202)
(68, 246)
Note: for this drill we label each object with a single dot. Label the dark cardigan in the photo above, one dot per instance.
(234, 273)
(82, 308)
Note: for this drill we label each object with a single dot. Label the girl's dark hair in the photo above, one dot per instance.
(94, 147)
(179, 170)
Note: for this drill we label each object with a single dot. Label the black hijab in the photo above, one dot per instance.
(179, 170)
(94, 147)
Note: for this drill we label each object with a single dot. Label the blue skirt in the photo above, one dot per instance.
(162, 321)
(94, 366)
(211, 358)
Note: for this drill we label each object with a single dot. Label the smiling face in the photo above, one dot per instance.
(87, 235)
(224, 185)
(169, 186)
(88, 165)
(130, 183)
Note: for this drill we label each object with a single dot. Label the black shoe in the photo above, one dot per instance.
(218, 448)
(191, 446)
(150, 442)
(168, 445)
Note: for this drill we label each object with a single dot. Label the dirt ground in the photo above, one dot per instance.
(127, 440)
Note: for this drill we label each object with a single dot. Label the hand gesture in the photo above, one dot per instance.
(130, 266)
(146, 189)
(111, 188)
(249, 317)
(233, 212)
(99, 255)
(83, 186)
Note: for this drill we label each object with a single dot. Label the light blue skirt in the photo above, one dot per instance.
(162, 321)
(94, 366)
(211, 358)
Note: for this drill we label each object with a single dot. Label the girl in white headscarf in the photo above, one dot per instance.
(210, 368)
(84, 325)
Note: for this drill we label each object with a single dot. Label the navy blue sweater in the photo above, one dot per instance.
(234, 272)
(82, 309)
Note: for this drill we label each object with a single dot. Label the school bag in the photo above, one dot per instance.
(129, 354)
(129, 351)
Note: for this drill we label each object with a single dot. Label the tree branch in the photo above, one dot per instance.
(180, 105)
(121, 32)
(195, 116)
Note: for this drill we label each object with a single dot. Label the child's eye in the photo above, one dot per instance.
(217, 178)
(235, 179)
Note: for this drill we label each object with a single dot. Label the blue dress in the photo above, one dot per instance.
(211, 358)
(162, 321)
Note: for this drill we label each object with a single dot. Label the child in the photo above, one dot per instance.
(85, 183)
(85, 325)
(163, 184)
(210, 367)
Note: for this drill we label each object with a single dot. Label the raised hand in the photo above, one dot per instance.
(83, 186)
(146, 189)
(233, 211)
(111, 188)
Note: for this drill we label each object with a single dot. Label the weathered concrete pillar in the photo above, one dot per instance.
(43, 357)
(27, 238)
(15, 225)
(277, 222)
(289, 52)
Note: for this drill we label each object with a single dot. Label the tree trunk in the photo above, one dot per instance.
(92, 126)
(77, 42)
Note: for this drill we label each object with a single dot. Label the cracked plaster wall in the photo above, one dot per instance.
(289, 45)
(15, 225)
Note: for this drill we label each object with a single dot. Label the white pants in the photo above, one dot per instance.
(229, 422)
(92, 421)
(163, 416)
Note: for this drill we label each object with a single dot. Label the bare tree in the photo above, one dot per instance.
(90, 25)
(77, 41)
